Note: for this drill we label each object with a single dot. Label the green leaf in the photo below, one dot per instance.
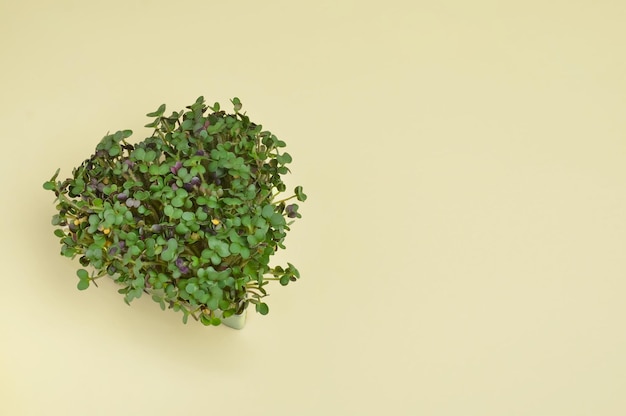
(235, 248)
(141, 195)
(59, 233)
(150, 156)
(134, 251)
(231, 201)
(82, 274)
(157, 113)
(222, 249)
(48, 185)
(216, 127)
(293, 270)
(139, 153)
(277, 219)
(262, 308)
(284, 158)
(178, 202)
(236, 104)
(83, 284)
(114, 150)
(177, 213)
(299, 194)
(182, 229)
(268, 211)
(54, 177)
(167, 255)
(212, 303)
(246, 221)
(163, 169)
(187, 124)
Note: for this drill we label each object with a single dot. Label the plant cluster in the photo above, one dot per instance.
(191, 215)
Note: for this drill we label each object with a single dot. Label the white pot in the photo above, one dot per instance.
(233, 321)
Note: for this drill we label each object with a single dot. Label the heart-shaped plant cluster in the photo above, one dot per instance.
(191, 215)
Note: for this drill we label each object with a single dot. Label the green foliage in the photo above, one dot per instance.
(190, 215)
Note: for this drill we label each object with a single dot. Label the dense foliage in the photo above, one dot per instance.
(191, 215)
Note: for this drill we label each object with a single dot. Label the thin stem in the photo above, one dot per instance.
(284, 200)
(72, 204)
(252, 291)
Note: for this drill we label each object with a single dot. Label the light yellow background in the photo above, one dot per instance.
(463, 248)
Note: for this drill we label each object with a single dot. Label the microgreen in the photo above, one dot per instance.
(190, 215)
